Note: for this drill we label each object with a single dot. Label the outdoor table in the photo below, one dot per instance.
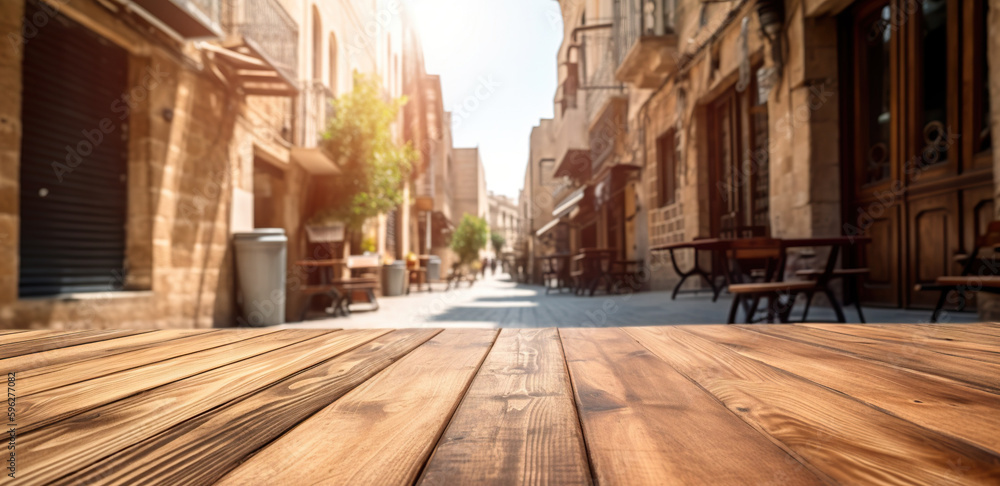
(703, 244)
(748, 404)
(339, 289)
(592, 264)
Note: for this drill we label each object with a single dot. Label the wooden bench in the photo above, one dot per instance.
(979, 272)
(851, 278)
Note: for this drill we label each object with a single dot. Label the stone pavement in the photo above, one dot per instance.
(499, 302)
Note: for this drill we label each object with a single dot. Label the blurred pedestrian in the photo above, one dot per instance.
(493, 266)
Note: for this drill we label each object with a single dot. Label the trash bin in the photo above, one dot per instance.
(434, 268)
(394, 278)
(260, 268)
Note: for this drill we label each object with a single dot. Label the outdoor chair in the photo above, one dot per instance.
(980, 272)
(746, 255)
(416, 274)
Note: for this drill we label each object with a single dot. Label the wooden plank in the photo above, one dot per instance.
(111, 428)
(29, 335)
(987, 328)
(517, 424)
(5, 332)
(944, 341)
(936, 403)
(57, 341)
(50, 406)
(229, 434)
(976, 373)
(382, 431)
(62, 374)
(25, 363)
(646, 424)
(847, 440)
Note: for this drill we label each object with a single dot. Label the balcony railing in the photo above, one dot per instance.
(266, 24)
(644, 29)
(188, 18)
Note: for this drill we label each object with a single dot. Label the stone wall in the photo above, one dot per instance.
(179, 259)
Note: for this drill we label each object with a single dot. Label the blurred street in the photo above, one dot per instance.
(499, 302)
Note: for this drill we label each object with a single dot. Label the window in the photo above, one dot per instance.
(317, 41)
(666, 158)
(333, 63)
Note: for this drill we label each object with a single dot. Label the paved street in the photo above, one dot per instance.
(499, 302)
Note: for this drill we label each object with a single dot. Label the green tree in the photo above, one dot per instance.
(498, 241)
(469, 237)
(374, 168)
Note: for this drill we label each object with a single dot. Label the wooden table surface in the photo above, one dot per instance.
(760, 404)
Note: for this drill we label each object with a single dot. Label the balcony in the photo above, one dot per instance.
(191, 19)
(572, 147)
(263, 40)
(607, 134)
(317, 109)
(647, 48)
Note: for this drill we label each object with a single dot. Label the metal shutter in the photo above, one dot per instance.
(72, 211)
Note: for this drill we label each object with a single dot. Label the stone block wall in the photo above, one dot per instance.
(178, 251)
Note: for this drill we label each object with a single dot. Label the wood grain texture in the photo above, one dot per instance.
(61, 374)
(5, 332)
(382, 431)
(847, 440)
(29, 362)
(954, 342)
(646, 424)
(972, 372)
(930, 401)
(113, 427)
(202, 450)
(17, 337)
(61, 340)
(517, 424)
(50, 406)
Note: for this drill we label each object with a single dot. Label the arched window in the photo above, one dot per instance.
(317, 45)
(333, 62)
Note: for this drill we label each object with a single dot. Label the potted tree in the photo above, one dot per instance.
(374, 169)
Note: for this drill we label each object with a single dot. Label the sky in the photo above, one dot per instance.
(497, 61)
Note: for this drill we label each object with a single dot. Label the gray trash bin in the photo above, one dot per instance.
(260, 268)
(434, 269)
(394, 279)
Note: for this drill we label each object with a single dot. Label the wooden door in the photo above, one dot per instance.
(917, 186)
(738, 161)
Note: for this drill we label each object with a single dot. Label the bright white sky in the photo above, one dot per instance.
(508, 46)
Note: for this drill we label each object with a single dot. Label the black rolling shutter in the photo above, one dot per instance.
(73, 159)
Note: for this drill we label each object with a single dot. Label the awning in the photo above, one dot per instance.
(249, 67)
(548, 227)
(315, 161)
(567, 205)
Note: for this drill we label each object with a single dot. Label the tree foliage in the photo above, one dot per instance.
(374, 168)
(498, 241)
(469, 237)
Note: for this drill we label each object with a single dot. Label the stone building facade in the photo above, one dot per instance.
(504, 219)
(202, 121)
(761, 116)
